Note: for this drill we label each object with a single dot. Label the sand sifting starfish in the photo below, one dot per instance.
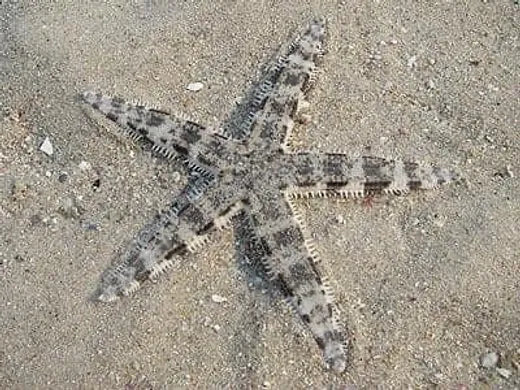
(246, 171)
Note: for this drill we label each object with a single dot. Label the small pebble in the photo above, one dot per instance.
(340, 219)
(91, 227)
(489, 360)
(218, 299)
(84, 166)
(62, 178)
(509, 171)
(506, 173)
(195, 86)
(412, 62)
(46, 147)
(504, 372)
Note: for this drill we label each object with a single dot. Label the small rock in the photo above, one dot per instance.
(489, 360)
(216, 328)
(412, 62)
(218, 299)
(266, 385)
(176, 177)
(91, 226)
(340, 219)
(509, 171)
(46, 147)
(63, 176)
(84, 166)
(506, 172)
(504, 372)
(95, 184)
(194, 87)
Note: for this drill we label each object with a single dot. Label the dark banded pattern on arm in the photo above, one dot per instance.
(335, 174)
(291, 260)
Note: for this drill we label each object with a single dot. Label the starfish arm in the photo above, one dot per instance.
(335, 174)
(268, 114)
(174, 137)
(290, 259)
(183, 228)
(242, 120)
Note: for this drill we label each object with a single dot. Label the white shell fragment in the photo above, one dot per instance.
(46, 147)
(195, 86)
(84, 166)
(218, 299)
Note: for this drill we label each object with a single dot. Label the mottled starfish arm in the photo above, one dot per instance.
(172, 136)
(290, 259)
(285, 81)
(184, 227)
(280, 97)
(334, 174)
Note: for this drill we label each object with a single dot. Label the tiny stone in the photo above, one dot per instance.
(489, 360)
(48, 174)
(176, 177)
(195, 86)
(266, 384)
(46, 147)
(216, 328)
(218, 299)
(92, 227)
(504, 372)
(84, 166)
(412, 62)
(340, 219)
(62, 178)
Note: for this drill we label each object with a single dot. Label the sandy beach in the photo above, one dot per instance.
(427, 285)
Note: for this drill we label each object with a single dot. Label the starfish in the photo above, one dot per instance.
(245, 172)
